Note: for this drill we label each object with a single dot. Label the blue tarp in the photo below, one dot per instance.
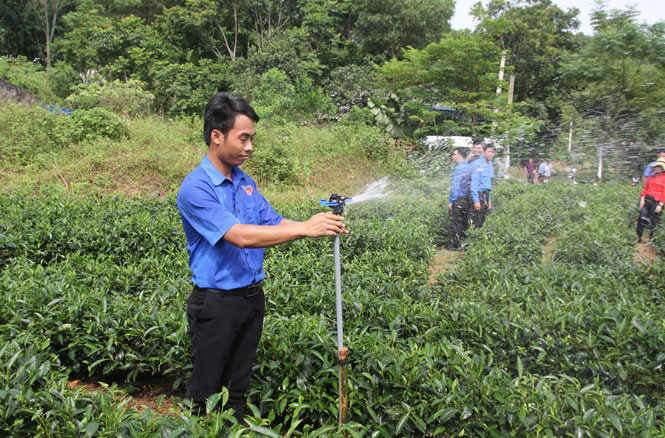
(56, 110)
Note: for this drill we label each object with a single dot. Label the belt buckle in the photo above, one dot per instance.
(253, 289)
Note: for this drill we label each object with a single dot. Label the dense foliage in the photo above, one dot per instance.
(316, 61)
(547, 327)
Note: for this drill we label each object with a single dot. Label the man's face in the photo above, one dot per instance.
(477, 149)
(456, 156)
(489, 153)
(661, 155)
(658, 170)
(234, 149)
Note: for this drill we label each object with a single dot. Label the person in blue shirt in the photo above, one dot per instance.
(648, 171)
(227, 223)
(459, 201)
(476, 150)
(481, 186)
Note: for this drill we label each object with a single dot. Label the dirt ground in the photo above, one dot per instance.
(443, 260)
(645, 253)
(143, 393)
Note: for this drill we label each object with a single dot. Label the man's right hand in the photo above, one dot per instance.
(324, 224)
(450, 207)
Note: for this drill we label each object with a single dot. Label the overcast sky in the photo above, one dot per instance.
(651, 11)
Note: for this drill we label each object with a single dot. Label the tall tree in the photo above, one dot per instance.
(20, 33)
(448, 87)
(385, 27)
(49, 13)
(535, 34)
(620, 77)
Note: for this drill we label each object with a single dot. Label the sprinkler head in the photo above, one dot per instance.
(336, 202)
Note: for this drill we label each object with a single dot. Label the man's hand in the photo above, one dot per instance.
(489, 205)
(659, 208)
(476, 206)
(263, 236)
(450, 207)
(324, 224)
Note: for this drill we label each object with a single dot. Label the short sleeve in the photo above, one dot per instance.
(201, 208)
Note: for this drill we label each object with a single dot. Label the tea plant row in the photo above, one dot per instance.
(547, 326)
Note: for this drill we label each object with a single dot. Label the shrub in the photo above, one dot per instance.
(29, 76)
(128, 98)
(63, 79)
(185, 89)
(28, 131)
(274, 98)
(91, 124)
(274, 162)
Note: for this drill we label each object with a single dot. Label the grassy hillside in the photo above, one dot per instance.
(99, 152)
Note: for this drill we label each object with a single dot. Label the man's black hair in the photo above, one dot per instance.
(221, 112)
(477, 140)
(462, 151)
(487, 146)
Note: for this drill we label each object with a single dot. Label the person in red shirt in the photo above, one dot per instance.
(530, 170)
(652, 199)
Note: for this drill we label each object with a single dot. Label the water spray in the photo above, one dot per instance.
(337, 203)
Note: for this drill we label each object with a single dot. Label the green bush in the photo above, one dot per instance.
(274, 162)
(275, 96)
(95, 123)
(29, 76)
(127, 98)
(63, 79)
(28, 131)
(186, 89)
(358, 115)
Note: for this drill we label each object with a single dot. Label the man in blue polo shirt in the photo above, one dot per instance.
(481, 186)
(228, 223)
(459, 201)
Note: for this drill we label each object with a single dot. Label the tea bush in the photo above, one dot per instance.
(546, 327)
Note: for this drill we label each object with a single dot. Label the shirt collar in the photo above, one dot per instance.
(216, 176)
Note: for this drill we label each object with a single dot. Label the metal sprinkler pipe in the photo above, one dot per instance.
(337, 202)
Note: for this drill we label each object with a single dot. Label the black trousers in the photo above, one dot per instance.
(648, 219)
(225, 331)
(459, 219)
(478, 216)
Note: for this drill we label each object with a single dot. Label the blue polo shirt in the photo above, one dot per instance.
(210, 204)
(461, 181)
(481, 178)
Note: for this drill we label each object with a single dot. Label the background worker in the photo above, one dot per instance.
(544, 171)
(476, 150)
(481, 186)
(652, 199)
(459, 201)
(530, 170)
(227, 223)
(648, 171)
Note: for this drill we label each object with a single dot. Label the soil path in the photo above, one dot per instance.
(645, 253)
(143, 393)
(443, 260)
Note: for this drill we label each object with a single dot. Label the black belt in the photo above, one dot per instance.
(247, 291)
